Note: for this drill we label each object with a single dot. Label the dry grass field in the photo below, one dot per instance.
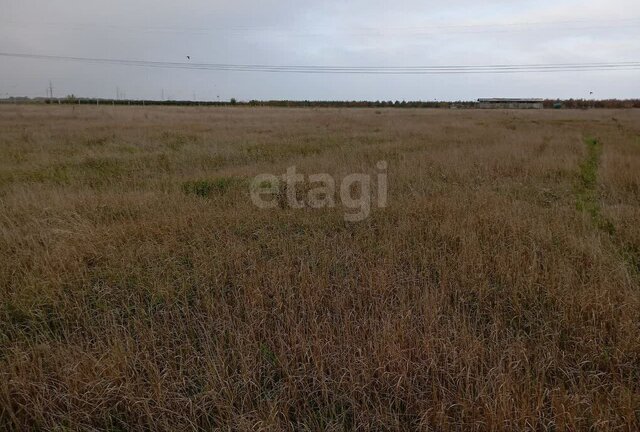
(498, 290)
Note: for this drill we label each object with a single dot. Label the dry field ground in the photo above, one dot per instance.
(140, 288)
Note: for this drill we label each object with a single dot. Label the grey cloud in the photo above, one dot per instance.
(355, 33)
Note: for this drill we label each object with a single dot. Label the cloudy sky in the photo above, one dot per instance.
(331, 33)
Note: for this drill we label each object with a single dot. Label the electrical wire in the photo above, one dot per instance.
(371, 70)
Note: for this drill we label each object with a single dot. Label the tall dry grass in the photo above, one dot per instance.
(483, 298)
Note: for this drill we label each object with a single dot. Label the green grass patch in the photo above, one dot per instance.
(39, 321)
(59, 174)
(214, 187)
(94, 172)
(587, 188)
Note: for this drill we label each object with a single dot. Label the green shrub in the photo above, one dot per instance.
(208, 188)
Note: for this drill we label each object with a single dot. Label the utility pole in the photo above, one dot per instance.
(50, 92)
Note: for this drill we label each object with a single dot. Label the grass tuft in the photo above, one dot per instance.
(209, 188)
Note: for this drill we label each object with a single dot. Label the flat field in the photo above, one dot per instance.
(141, 289)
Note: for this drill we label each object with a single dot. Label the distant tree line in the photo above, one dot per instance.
(588, 103)
(548, 103)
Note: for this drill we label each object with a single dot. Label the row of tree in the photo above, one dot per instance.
(587, 103)
(548, 103)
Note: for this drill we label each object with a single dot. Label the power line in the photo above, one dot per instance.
(371, 70)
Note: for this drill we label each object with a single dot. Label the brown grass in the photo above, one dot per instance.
(487, 296)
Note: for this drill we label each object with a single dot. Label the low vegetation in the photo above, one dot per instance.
(140, 288)
(207, 188)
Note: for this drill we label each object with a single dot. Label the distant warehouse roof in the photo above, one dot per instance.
(509, 100)
(511, 103)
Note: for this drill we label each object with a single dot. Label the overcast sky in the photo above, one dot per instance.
(332, 33)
